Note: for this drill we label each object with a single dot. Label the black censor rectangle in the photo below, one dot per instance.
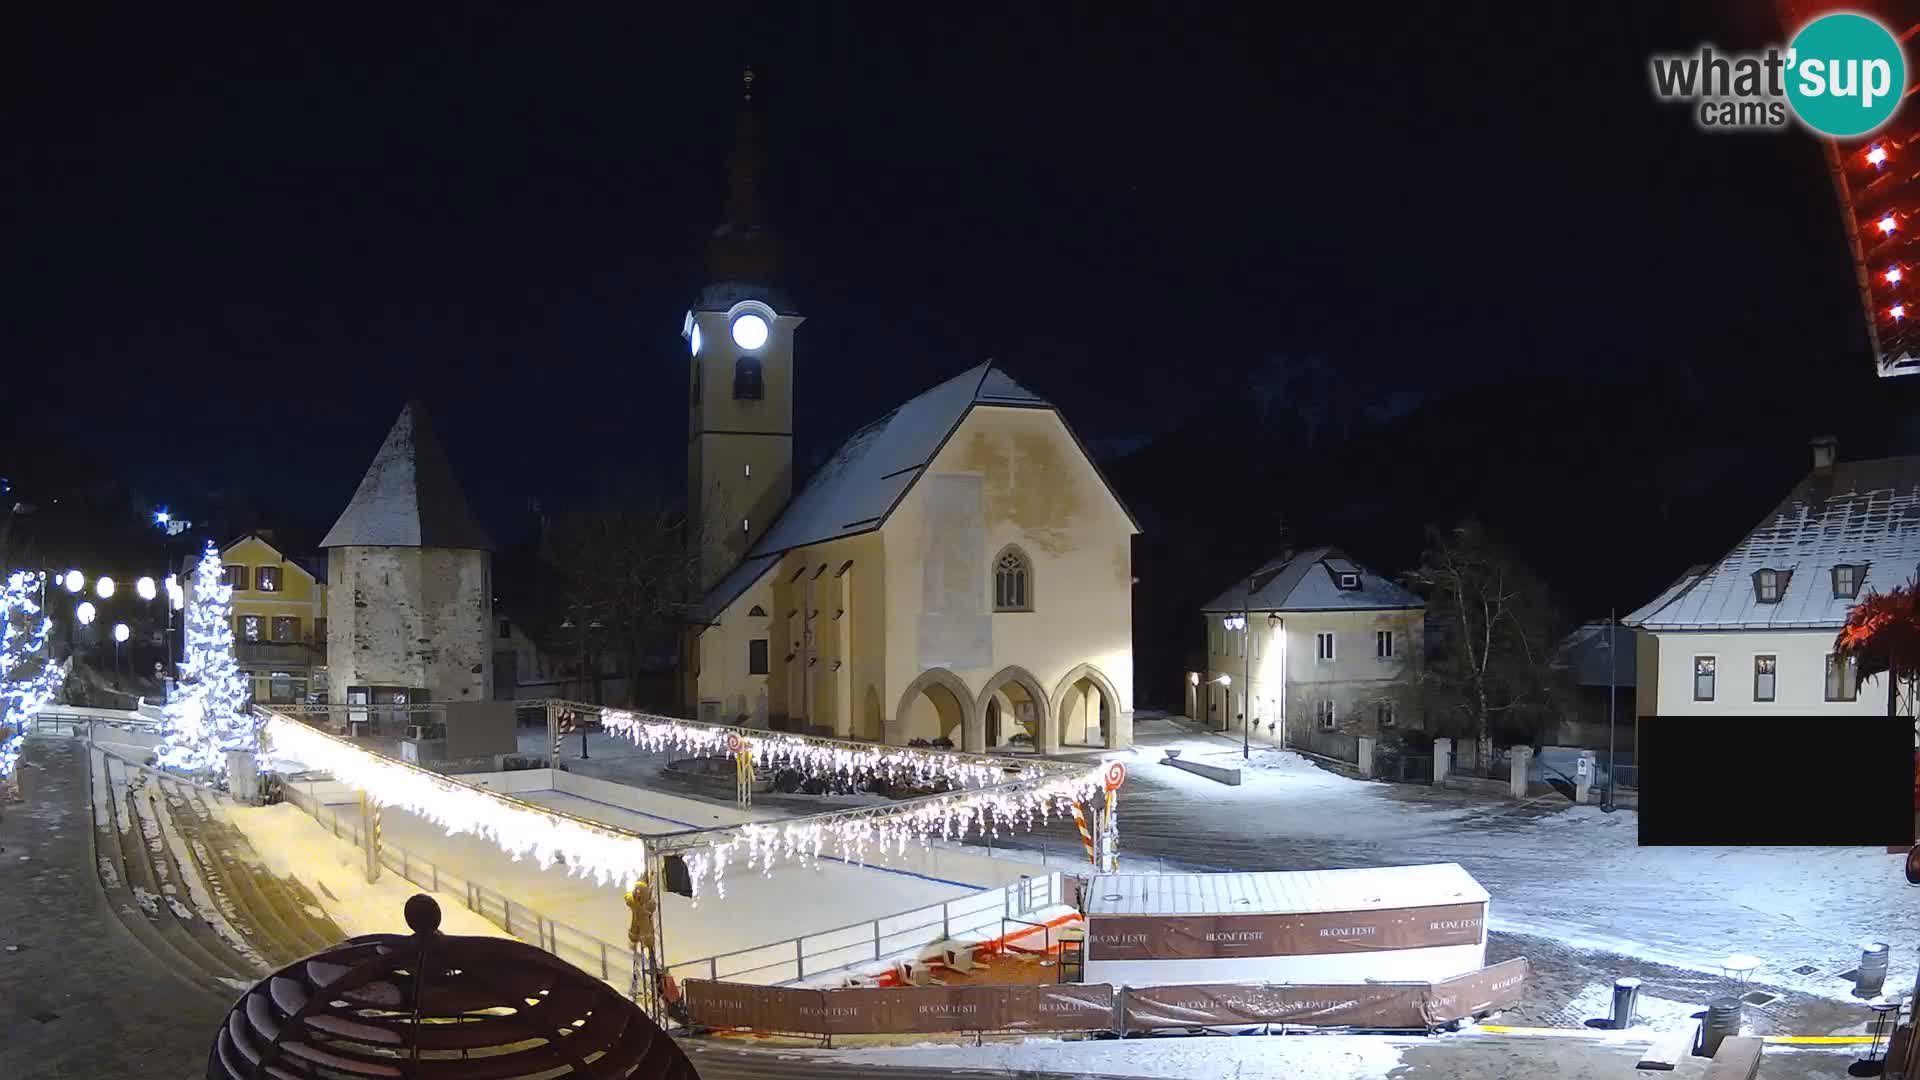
(1776, 781)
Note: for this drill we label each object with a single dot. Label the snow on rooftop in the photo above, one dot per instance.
(1307, 582)
(1862, 513)
(1283, 892)
(409, 496)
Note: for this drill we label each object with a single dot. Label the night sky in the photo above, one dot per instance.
(240, 238)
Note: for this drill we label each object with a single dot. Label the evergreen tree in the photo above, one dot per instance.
(28, 676)
(208, 714)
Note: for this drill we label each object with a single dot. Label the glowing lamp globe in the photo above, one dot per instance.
(1877, 155)
(84, 612)
(750, 331)
(694, 338)
(104, 587)
(74, 580)
(145, 588)
(120, 632)
(1887, 224)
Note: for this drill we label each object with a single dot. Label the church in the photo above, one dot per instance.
(959, 569)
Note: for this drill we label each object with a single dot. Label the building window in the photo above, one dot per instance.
(1383, 644)
(1012, 581)
(1323, 646)
(266, 578)
(280, 688)
(1349, 581)
(286, 628)
(1846, 581)
(1703, 678)
(506, 628)
(1768, 585)
(1383, 714)
(1323, 715)
(1763, 677)
(757, 656)
(320, 631)
(1843, 678)
(236, 577)
(747, 383)
(250, 627)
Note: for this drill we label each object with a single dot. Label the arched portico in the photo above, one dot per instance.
(1086, 709)
(1004, 695)
(934, 705)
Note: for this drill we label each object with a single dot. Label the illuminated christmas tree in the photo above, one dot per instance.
(28, 676)
(208, 714)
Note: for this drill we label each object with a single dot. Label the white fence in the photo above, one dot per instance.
(982, 916)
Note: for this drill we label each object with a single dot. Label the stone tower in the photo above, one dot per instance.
(410, 579)
(740, 333)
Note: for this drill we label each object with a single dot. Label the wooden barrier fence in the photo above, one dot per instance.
(1100, 1007)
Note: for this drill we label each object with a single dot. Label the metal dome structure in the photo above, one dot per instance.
(430, 1005)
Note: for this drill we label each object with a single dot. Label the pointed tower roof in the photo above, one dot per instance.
(409, 497)
(742, 248)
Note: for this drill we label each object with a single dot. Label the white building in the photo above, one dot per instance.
(1754, 632)
(1316, 642)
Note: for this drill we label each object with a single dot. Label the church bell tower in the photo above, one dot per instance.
(740, 334)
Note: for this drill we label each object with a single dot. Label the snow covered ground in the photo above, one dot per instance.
(291, 844)
(1571, 874)
(1323, 1057)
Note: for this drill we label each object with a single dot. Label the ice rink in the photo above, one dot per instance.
(756, 909)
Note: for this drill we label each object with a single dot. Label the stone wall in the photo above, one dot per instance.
(419, 617)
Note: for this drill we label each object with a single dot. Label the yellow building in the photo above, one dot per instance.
(958, 570)
(279, 618)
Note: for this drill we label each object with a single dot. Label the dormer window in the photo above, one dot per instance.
(1349, 581)
(1769, 585)
(1846, 581)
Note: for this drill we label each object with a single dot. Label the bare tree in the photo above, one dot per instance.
(622, 580)
(1496, 632)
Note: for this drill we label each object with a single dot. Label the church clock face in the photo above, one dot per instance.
(750, 331)
(694, 338)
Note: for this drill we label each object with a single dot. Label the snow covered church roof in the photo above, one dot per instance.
(409, 497)
(1860, 514)
(857, 489)
(1310, 581)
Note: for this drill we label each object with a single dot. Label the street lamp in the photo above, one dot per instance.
(84, 612)
(104, 587)
(120, 635)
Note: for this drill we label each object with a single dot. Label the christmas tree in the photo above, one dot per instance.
(207, 714)
(28, 676)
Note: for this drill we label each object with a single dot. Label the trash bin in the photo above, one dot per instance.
(1626, 999)
(1723, 1020)
(1873, 969)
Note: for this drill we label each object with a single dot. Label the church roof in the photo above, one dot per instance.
(857, 489)
(409, 497)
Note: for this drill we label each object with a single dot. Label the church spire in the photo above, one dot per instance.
(742, 248)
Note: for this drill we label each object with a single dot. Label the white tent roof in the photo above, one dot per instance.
(1284, 892)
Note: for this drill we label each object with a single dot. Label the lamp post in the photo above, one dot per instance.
(1613, 667)
(1246, 692)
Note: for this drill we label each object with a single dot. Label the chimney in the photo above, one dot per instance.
(1825, 448)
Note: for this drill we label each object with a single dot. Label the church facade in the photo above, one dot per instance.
(959, 569)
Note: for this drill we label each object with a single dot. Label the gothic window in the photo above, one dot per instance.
(747, 384)
(1012, 581)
